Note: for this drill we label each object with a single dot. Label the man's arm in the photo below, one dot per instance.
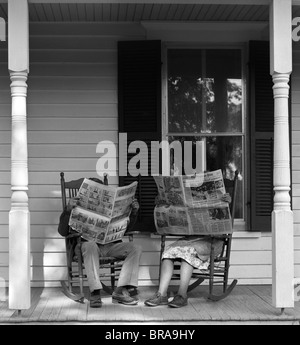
(133, 215)
(132, 220)
(63, 226)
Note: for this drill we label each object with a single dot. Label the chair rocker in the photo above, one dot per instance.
(75, 264)
(217, 272)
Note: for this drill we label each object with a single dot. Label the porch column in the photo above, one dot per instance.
(19, 217)
(282, 216)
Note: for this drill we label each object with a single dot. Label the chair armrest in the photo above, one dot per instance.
(218, 237)
(74, 235)
(131, 233)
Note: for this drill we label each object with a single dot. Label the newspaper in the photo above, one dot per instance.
(102, 214)
(192, 205)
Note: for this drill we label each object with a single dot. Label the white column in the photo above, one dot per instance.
(19, 216)
(282, 216)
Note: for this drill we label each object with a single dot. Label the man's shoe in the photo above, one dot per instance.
(134, 293)
(178, 301)
(95, 299)
(124, 298)
(156, 299)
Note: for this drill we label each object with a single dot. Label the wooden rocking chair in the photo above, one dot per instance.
(218, 270)
(109, 266)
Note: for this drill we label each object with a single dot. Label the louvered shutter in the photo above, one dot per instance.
(262, 135)
(139, 109)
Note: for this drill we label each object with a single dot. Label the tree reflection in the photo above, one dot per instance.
(192, 103)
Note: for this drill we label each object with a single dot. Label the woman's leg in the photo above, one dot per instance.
(167, 267)
(161, 297)
(186, 271)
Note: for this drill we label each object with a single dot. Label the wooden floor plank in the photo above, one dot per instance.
(245, 304)
(265, 294)
(256, 307)
(56, 306)
(5, 312)
(210, 309)
(52, 297)
(152, 314)
(26, 314)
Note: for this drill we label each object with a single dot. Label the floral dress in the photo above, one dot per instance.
(194, 250)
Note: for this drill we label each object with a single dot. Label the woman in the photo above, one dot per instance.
(193, 252)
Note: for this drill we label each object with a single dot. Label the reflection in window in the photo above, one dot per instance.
(204, 91)
(205, 102)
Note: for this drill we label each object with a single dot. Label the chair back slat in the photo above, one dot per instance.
(70, 189)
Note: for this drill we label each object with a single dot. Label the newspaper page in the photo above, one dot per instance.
(102, 214)
(195, 206)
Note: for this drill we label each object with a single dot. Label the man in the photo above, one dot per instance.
(92, 251)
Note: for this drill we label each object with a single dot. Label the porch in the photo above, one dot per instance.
(247, 304)
(73, 75)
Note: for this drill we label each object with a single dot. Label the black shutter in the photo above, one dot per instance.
(262, 135)
(139, 108)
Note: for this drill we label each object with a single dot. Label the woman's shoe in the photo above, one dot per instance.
(178, 301)
(156, 299)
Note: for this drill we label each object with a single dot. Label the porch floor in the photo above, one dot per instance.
(245, 305)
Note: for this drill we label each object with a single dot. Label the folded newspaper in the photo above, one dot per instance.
(102, 214)
(192, 205)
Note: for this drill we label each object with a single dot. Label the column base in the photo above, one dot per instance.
(19, 260)
(282, 259)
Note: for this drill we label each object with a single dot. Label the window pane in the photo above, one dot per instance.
(204, 91)
(221, 152)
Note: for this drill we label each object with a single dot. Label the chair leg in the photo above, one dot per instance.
(80, 275)
(195, 284)
(211, 269)
(67, 289)
(226, 289)
(112, 277)
(107, 289)
(162, 248)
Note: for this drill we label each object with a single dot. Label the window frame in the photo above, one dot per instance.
(240, 224)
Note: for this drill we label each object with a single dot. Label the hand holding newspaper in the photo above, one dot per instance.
(102, 214)
(192, 205)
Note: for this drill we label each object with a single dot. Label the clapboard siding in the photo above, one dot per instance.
(56, 244)
(64, 124)
(72, 106)
(67, 110)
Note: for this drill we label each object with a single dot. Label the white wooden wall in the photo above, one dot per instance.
(72, 105)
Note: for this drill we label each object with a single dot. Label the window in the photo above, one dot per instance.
(205, 102)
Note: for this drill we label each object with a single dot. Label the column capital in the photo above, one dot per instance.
(281, 85)
(18, 84)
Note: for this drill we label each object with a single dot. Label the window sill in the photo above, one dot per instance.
(246, 234)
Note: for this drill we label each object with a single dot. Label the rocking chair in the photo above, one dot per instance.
(109, 266)
(217, 272)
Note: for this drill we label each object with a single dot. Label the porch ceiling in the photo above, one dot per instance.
(91, 12)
